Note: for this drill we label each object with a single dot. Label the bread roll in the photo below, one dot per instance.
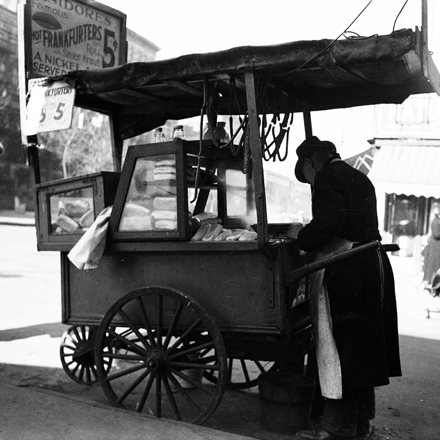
(222, 236)
(135, 223)
(236, 234)
(87, 219)
(165, 203)
(133, 209)
(165, 170)
(214, 230)
(169, 225)
(213, 220)
(135, 218)
(164, 215)
(201, 232)
(164, 163)
(248, 236)
(205, 216)
(165, 176)
(66, 223)
(76, 208)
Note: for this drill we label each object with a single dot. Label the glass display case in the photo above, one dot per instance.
(152, 202)
(67, 208)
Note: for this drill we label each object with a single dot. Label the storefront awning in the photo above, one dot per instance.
(409, 170)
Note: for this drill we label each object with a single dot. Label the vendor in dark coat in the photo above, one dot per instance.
(360, 290)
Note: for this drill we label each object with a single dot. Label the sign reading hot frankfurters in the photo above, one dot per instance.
(66, 35)
(50, 106)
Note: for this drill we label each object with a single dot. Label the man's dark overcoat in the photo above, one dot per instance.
(364, 314)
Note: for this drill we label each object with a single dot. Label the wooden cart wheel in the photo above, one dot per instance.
(155, 337)
(243, 373)
(77, 354)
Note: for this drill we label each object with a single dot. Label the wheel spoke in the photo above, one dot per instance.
(230, 367)
(134, 329)
(194, 366)
(245, 370)
(124, 372)
(147, 389)
(158, 396)
(133, 386)
(81, 372)
(146, 321)
(184, 393)
(78, 337)
(185, 335)
(67, 346)
(171, 398)
(192, 381)
(173, 325)
(88, 375)
(83, 332)
(95, 374)
(133, 345)
(159, 321)
(75, 369)
(126, 357)
(191, 350)
(260, 367)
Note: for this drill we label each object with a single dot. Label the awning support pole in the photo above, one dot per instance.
(257, 161)
(307, 123)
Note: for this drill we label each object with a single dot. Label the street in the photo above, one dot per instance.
(30, 332)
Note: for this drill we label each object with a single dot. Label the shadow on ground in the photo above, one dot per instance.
(407, 409)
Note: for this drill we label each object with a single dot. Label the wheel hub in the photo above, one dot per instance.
(156, 361)
(83, 354)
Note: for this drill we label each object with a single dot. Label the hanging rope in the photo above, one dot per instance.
(202, 113)
(272, 149)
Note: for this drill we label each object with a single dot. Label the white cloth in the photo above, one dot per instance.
(87, 253)
(329, 365)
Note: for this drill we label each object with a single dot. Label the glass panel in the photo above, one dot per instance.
(211, 204)
(236, 193)
(151, 202)
(72, 212)
(83, 149)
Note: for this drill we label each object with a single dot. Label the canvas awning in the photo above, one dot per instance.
(409, 170)
(292, 77)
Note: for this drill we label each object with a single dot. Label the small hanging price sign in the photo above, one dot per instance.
(50, 106)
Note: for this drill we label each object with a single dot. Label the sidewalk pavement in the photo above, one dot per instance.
(36, 414)
(10, 217)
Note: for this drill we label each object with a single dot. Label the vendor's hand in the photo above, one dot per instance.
(293, 230)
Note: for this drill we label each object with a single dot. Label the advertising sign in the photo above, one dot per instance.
(50, 106)
(416, 118)
(66, 35)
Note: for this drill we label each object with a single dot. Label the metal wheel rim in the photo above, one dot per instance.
(243, 373)
(161, 355)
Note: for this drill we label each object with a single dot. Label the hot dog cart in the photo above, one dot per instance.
(193, 277)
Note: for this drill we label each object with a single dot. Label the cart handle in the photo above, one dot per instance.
(321, 264)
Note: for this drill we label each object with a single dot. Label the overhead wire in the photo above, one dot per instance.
(403, 7)
(329, 45)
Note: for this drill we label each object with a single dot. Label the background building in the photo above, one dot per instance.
(405, 171)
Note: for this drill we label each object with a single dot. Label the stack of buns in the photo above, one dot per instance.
(73, 216)
(165, 213)
(165, 169)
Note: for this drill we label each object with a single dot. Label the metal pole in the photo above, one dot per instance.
(307, 123)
